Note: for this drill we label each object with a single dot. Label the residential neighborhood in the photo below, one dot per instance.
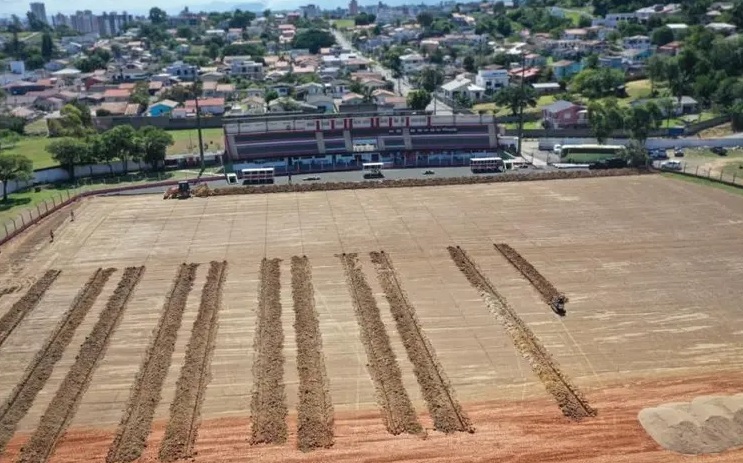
(476, 58)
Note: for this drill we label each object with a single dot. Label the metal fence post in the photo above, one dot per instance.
(697, 171)
(38, 209)
(709, 172)
(5, 224)
(720, 174)
(734, 174)
(23, 221)
(54, 204)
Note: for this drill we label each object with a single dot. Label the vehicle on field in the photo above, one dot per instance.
(258, 175)
(611, 163)
(720, 151)
(678, 152)
(429, 172)
(231, 179)
(373, 170)
(487, 165)
(607, 150)
(671, 165)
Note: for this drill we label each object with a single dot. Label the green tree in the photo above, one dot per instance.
(430, 78)
(47, 46)
(736, 117)
(425, 19)
(656, 70)
(271, 95)
(154, 144)
(662, 36)
(241, 19)
(602, 123)
(418, 99)
(313, 39)
(667, 107)
(68, 152)
(597, 83)
(158, 16)
(364, 19)
(469, 64)
(121, 143)
(515, 98)
(14, 167)
(184, 32)
(641, 119)
(141, 94)
(635, 154)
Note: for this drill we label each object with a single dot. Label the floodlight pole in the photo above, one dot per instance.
(198, 123)
(521, 103)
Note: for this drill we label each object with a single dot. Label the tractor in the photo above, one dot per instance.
(182, 191)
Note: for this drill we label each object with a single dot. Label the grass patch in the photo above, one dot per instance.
(37, 127)
(187, 141)
(344, 23)
(638, 89)
(543, 100)
(704, 182)
(706, 153)
(34, 148)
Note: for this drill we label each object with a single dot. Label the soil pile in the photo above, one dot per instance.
(707, 424)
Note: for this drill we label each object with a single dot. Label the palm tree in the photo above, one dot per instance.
(367, 95)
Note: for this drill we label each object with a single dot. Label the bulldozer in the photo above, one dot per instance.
(182, 191)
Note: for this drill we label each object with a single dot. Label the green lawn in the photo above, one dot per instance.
(706, 153)
(37, 127)
(704, 182)
(35, 149)
(543, 100)
(187, 141)
(344, 23)
(638, 89)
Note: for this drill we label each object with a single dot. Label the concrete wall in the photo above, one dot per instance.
(164, 122)
(652, 143)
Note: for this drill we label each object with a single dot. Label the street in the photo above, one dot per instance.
(436, 106)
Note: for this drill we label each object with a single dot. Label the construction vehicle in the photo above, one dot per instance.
(182, 191)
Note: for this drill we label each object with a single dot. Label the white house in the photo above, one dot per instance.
(182, 70)
(411, 62)
(492, 79)
(637, 42)
(461, 87)
(131, 71)
(244, 66)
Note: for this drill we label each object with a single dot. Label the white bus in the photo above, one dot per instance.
(589, 152)
(490, 164)
(257, 175)
(373, 169)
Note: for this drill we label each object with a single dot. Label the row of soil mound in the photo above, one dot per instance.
(397, 410)
(471, 180)
(445, 410)
(185, 410)
(570, 400)
(26, 304)
(315, 409)
(549, 293)
(136, 422)
(61, 409)
(268, 406)
(707, 424)
(40, 368)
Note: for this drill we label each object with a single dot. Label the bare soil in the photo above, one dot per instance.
(443, 406)
(549, 293)
(185, 410)
(136, 422)
(315, 409)
(26, 304)
(571, 401)
(40, 369)
(397, 410)
(268, 403)
(62, 408)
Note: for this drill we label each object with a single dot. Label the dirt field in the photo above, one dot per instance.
(651, 266)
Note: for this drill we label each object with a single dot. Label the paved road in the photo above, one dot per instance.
(437, 106)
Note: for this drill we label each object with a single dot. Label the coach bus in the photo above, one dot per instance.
(257, 175)
(484, 165)
(605, 151)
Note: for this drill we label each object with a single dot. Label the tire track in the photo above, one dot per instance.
(568, 397)
(8, 290)
(26, 304)
(547, 290)
(63, 406)
(135, 425)
(398, 413)
(315, 410)
(268, 407)
(444, 408)
(40, 368)
(185, 411)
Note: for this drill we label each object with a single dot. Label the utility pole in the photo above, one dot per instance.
(198, 123)
(521, 102)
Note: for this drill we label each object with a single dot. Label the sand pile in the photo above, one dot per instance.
(707, 424)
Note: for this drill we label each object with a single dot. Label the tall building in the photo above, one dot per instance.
(39, 10)
(311, 11)
(60, 19)
(353, 8)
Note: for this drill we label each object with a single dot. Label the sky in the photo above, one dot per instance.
(20, 7)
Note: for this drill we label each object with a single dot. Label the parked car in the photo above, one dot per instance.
(671, 165)
(678, 152)
(657, 154)
(720, 151)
